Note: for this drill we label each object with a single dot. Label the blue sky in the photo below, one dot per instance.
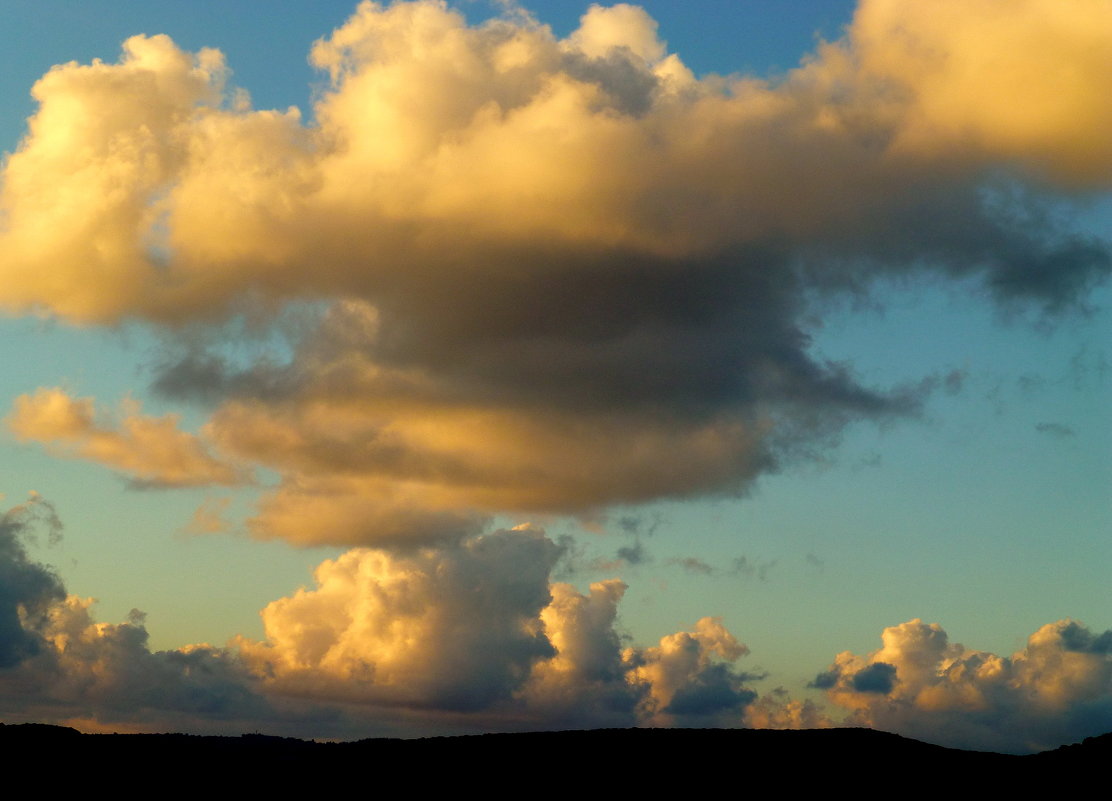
(950, 462)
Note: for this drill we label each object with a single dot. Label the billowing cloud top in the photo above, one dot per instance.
(922, 684)
(448, 158)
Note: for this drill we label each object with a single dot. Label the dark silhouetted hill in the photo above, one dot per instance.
(694, 760)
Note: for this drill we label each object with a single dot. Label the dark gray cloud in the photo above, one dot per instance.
(879, 677)
(825, 680)
(716, 690)
(636, 524)
(741, 566)
(635, 554)
(954, 380)
(693, 564)
(621, 331)
(1076, 637)
(1055, 275)
(27, 589)
(956, 226)
(1058, 430)
(744, 566)
(1030, 383)
(1089, 368)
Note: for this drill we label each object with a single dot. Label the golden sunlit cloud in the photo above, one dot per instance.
(561, 274)
(1021, 80)
(150, 451)
(921, 684)
(476, 626)
(520, 274)
(474, 636)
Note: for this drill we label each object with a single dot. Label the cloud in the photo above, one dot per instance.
(622, 27)
(560, 274)
(534, 276)
(208, 518)
(108, 670)
(472, 635)
(454, 628)
(57, 663)
(974, 77)
(468, 636)
(1057, 689)
(347, 429)
(476, 627)
(743, 566)
(739, 566)
(151, 451)
(879, 677)
(693, 564)
(635, 554)
(690, 677)
(1056, 430)
(536, 151)
(778, 710)
(27, 589)
(585, 681)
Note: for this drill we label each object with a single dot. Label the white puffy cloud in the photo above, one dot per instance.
(452, 628)
(621, 26)
(475, 626)
(1057, 689)
(690, 677)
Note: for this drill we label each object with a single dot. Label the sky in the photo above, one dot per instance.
(437, 368)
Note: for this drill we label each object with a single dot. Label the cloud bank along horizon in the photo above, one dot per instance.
(522, 277)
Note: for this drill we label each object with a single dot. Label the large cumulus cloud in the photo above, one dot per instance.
(445, 158)
(476, 627)
(561, 274)
(456, 628)
(1057, 689)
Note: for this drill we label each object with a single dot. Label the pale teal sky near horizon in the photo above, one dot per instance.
(988, 512)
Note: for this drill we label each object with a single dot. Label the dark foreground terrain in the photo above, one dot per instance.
(697, 761)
